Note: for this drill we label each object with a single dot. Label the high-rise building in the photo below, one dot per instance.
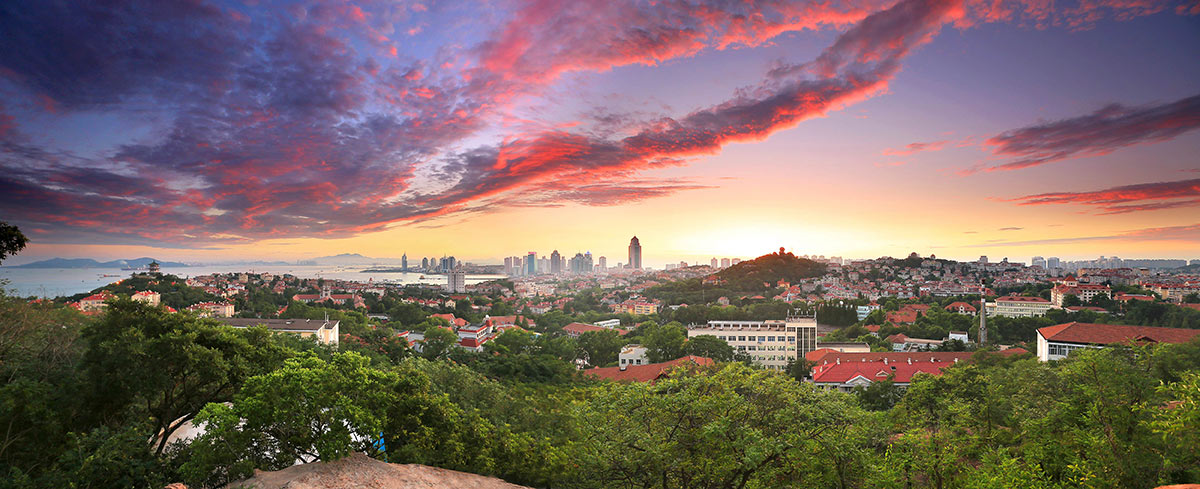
(424, 263)
(508, 265)
(983, 259)
(581, 263)
(603, 264)
(714, 262)
(724, 263)
(456, 281)
(531, 264)
(735, 261)
(555, 262)
(1038, 261)
(1052, 262)
(635, 254)
(404, 262)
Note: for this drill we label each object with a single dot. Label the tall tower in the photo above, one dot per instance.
(982, 317)
(531, 264)
(555, 262)
(635, 254)
(404, 261)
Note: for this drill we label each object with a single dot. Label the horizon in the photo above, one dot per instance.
(223, 131)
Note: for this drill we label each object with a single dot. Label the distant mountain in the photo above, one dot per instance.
(90, 263)
(351, 259)
(771, 269)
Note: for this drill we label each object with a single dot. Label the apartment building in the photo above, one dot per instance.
(770, 343)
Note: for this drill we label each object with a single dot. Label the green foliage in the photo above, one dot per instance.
(168, 366)
(438, 342)
(709, 346)
(736, 427)
(663, 342)
(12, 240)
(601, 347)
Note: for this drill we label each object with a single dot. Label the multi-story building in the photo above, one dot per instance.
(1085, 292)
(602, 264)
(771, 344)
(635, 307)
(555, 262)
(1019, 306)
(1052, 263)
(1057, 342)
(635, 254)
(148, 296)
(632, 355)
(531, 264)
(456, 281)
(212, 309)
(724, 263)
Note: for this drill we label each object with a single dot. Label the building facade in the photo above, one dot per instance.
(1057, 342)
(1017, 306)
(771, 344)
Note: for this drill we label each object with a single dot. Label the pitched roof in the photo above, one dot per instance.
(1106, 334)
(873, 371)
(280, 324)
(645, 373)
(826, 355)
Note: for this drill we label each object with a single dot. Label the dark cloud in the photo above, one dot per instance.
(1099, 133)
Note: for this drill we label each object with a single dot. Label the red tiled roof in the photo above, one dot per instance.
(1106, 334)
(645, 373)
(826, 355)
(834, 373)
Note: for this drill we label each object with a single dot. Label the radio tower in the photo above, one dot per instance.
(982, 316)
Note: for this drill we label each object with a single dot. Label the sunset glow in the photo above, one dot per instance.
(210, 130)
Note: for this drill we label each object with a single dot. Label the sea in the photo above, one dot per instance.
(56, 282)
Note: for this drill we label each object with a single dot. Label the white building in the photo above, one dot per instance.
(770, 344)
(632, 355)
(456, 281)
(1018, 306)
(325, 331)
(1057, 342)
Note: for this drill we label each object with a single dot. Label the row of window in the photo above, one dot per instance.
(1064, 350)
(790, 339)
(765, 348)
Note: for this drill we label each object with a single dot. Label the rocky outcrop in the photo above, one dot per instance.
(361, 471)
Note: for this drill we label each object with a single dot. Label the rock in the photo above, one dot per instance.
(361, 471)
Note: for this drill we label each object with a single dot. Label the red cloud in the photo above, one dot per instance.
(916, 148)
(1125, 199)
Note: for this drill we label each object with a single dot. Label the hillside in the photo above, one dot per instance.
(749, 278)
(90, 263)
(771, 269)
(359, 470)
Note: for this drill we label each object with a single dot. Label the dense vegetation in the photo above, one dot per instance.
(83, 399)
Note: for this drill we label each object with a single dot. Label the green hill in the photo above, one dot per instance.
(772, 268)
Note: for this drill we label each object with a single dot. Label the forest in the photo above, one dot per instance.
(86, 400)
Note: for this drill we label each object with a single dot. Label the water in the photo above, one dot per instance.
(54, 282)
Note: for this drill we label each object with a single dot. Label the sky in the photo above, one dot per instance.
(209, 131)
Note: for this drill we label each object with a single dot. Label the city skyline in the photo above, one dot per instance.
(864, 129)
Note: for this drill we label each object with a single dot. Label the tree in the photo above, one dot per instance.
(736, 427)
(438, 342)
(664, 343)
(1192, 298)
(799, 368)
(309, 410)
(12, 240)
(601, 347)
(879, 395)
(709, 346)
(1071, 300)
(168, 366)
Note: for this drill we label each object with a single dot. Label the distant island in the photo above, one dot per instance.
(90, 263)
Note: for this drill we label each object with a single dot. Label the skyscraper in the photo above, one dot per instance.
(531, 264)
(714, 263)
(1038, 261)
(555, 262)
(603, 264)
(635, 254)
(404, 262)
(1052, 262)
(508, 265)
(424, 263)
(456, 281)
(724, 263)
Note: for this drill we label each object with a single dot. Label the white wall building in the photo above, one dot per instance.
(770, 344)
(632, 355)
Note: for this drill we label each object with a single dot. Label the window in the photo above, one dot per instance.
(741, 338)
(770, 338)
(753, 348)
